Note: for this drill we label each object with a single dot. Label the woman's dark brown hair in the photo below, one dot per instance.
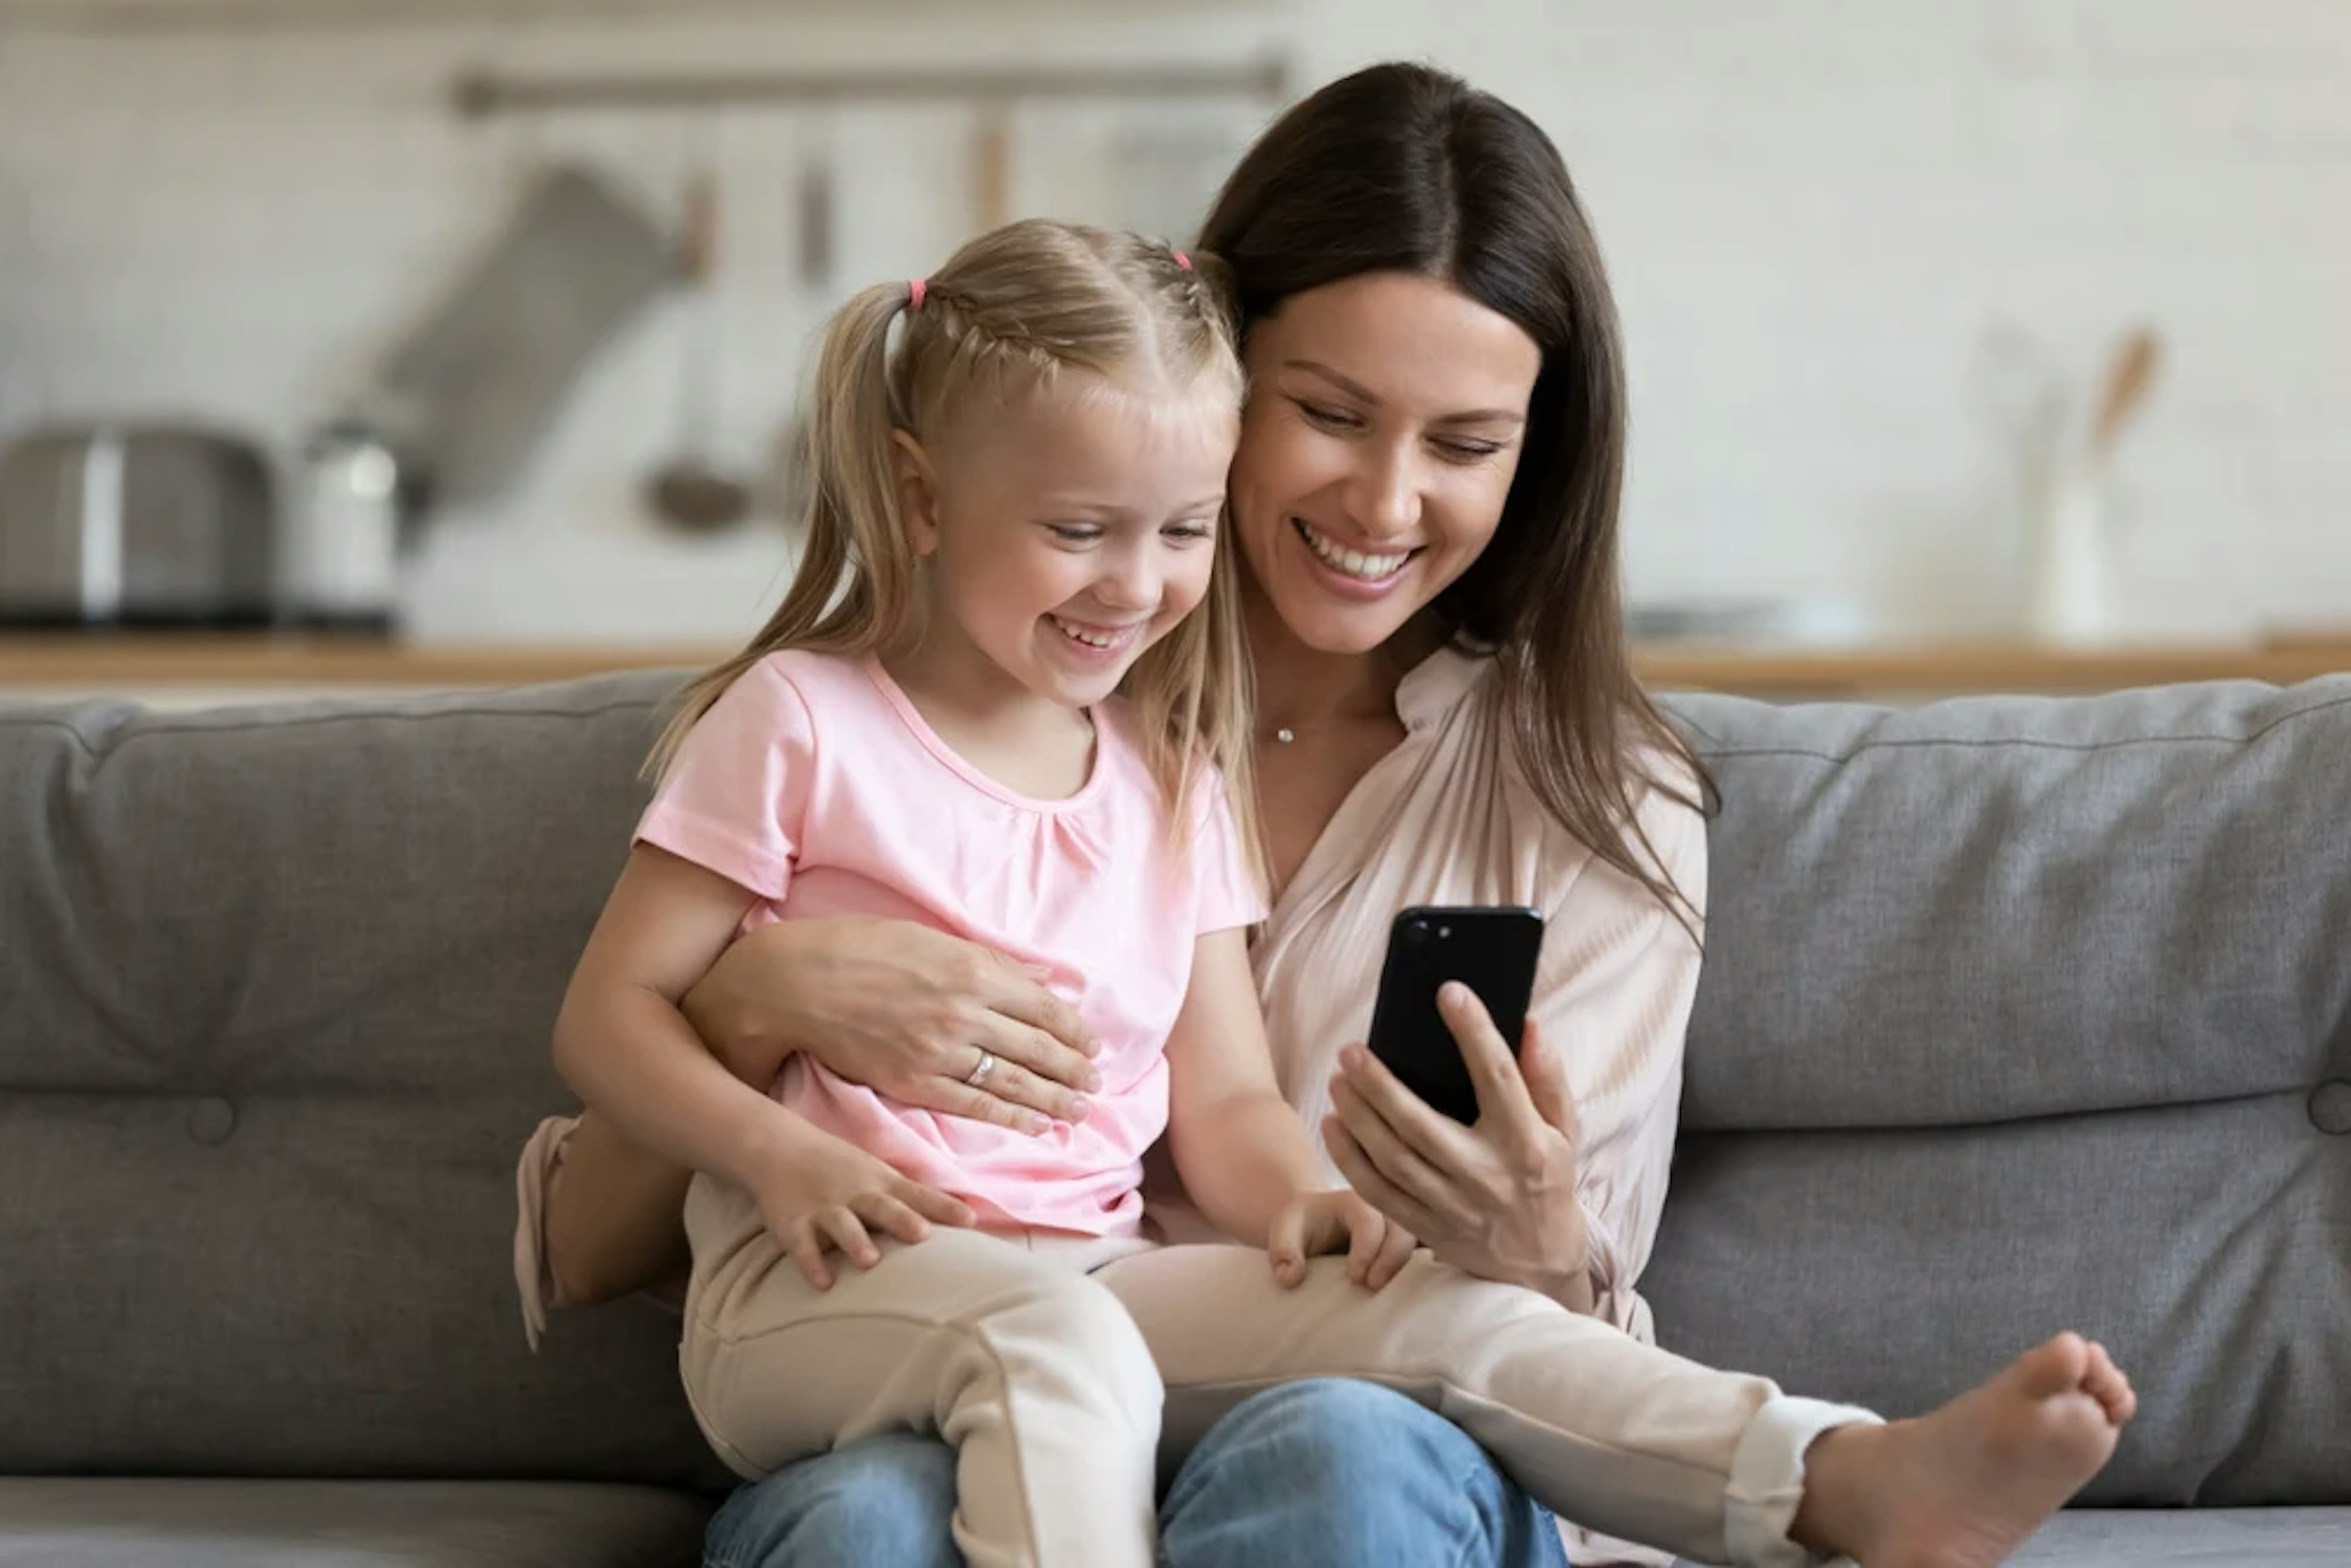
(1401, 168)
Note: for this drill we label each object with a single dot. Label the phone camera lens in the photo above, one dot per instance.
(1417, 931)
(1443, 932)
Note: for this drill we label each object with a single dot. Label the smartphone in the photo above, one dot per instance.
(1492, 951)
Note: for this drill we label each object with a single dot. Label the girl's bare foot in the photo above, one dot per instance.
(1962, 1486)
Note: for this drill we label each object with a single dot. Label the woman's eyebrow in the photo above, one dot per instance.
(1364, 395)
(1348, 384)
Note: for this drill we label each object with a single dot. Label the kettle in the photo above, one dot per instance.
(339, 559)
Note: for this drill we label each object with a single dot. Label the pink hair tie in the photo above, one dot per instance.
(1183, 261)
(915, 288)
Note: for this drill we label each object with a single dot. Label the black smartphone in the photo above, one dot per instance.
(1491, 950)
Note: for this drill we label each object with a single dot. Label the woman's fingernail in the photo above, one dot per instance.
(1038, 1122)
(1092, 1080)
(1353, 1058)
(1080, 1109)
(1453, 993)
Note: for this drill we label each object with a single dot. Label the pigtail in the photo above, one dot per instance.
(856, 583)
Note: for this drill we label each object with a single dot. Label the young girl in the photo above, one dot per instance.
(1016, 519)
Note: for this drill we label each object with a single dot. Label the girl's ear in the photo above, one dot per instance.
(918, 493)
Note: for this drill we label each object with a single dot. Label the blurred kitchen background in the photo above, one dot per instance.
(1994, 323)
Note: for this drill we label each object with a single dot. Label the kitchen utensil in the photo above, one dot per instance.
(135, 524)
(794, 470)
(2073, 578)
(813, 211)
(20, 258)
(991, 168)
(338, 547)
(691, 491)
(470, 392)
(2130, 375)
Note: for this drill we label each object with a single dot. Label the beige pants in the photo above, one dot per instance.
(1045, 1361)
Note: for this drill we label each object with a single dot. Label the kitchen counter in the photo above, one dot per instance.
(51, 665)
(264, 659)
(1931, 670)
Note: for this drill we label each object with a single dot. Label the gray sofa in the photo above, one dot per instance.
(2017, 1015)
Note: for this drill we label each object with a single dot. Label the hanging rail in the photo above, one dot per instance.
(478, 95)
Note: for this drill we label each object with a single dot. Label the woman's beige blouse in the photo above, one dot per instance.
(1447, 818)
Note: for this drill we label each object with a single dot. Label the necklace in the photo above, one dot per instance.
(1343, 712)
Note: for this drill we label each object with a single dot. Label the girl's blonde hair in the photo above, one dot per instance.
(1024, 308)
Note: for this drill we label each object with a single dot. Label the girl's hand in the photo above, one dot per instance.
(903, 1008)
(1317, 1223)
(818, 1193)
(1497, 1199)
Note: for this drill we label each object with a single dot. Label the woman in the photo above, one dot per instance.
(1425, 506)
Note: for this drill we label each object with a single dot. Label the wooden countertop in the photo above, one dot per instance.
(1962, 667)
(256, 659)
(54, 662)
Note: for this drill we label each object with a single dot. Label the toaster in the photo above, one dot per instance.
(135, 525)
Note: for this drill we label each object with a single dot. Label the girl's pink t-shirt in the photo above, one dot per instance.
(814, 784)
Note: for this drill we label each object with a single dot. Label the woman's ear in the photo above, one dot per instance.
(918, 493)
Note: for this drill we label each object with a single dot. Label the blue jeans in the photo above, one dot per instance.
(1310, 1475)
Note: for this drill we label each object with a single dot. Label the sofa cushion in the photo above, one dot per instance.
(2019, 1014)
(2052, 905)
(2201, 1538)
(275, 987)
(79, 1523)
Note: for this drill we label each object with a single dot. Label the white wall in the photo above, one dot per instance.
(1814, 212)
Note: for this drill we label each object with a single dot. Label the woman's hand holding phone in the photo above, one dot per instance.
(1496, 1198)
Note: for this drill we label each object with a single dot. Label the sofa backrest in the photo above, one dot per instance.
(275, 987)
(2022, 1015)
(2015, 1016)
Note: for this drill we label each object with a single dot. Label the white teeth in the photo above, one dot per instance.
(1091, 638)
(1355, 563)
